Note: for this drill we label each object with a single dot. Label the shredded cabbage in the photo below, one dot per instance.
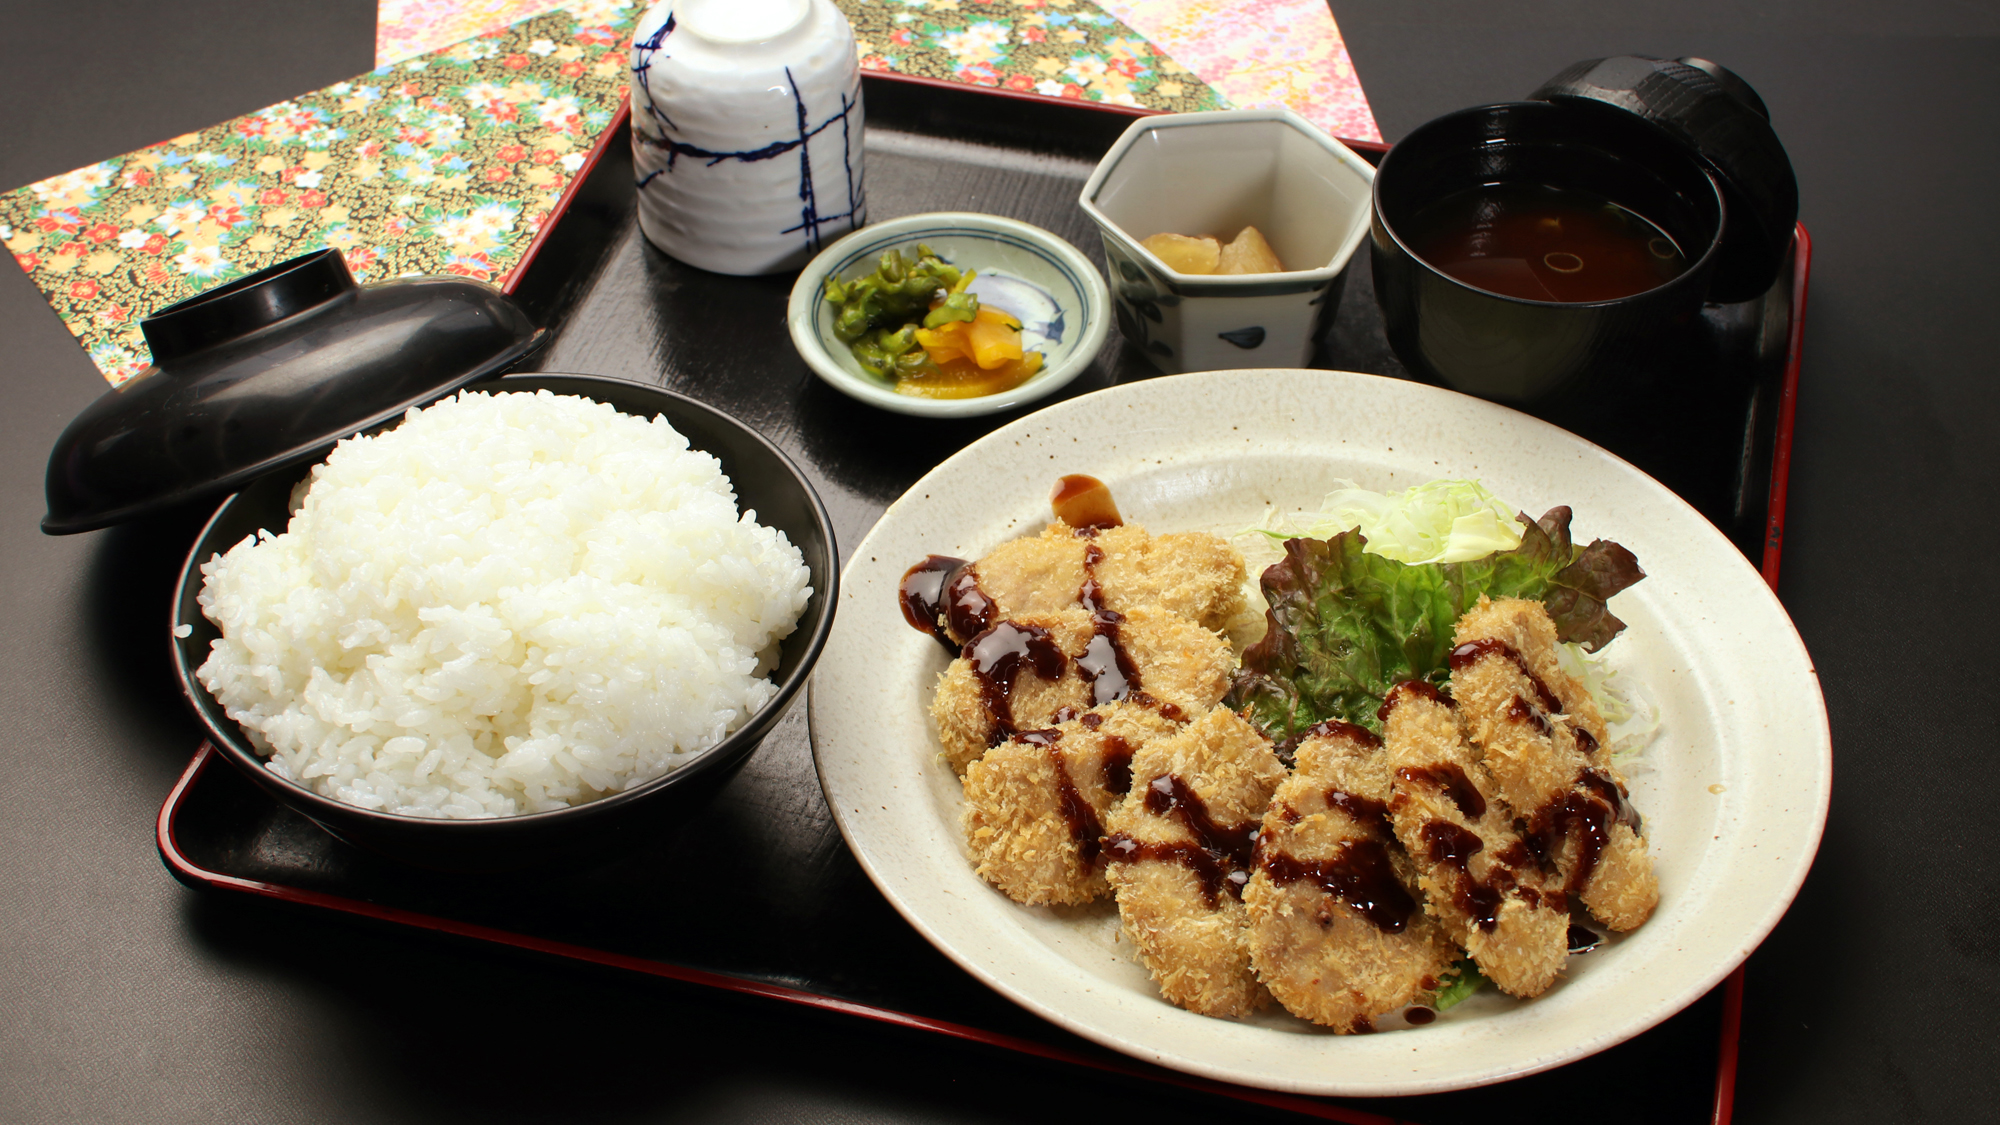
(1440, 522)
(1630, 716)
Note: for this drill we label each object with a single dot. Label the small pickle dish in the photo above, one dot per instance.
(1025, 313)
(255, 381)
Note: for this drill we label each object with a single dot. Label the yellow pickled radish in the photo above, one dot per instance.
(990, 339)
(961, 378)
(995, 338)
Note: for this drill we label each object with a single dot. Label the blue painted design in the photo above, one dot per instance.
(644, 67)
(1042, 318)
(810, 218)
(1245, 338)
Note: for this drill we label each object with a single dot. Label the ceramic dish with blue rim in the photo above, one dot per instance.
(1056, 293)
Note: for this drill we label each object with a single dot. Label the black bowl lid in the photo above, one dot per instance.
(269, 371)
(1718, 117)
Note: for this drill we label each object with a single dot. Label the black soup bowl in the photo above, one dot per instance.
(764, 479)
(1514, 349)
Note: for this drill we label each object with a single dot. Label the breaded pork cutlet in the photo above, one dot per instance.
(1479, 877)
(1035, 804)
(1542, 740)
(1337, 932)
(1194, 574)
(1022, 672)
(1179, 850)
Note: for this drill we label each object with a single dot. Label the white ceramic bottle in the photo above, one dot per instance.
(746, 131)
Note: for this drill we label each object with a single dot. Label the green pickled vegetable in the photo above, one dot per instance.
(878, 313)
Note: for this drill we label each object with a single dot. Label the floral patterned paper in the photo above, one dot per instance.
(405, 29)
(1061, 48)
(451, 160)
(1259, 53)
(447, 163)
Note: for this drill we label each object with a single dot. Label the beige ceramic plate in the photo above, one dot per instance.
(1733, 805)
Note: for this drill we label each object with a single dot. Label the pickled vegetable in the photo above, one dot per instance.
(914, 323)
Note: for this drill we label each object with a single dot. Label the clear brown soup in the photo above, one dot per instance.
(1541, 243)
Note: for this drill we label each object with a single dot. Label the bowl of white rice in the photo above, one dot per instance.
(525, 623)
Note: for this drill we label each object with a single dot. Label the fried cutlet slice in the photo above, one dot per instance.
(1542, 740)
(1035, 804)
(1176, 664)
(1480, 879)
(1194, 574)
(1178, 852)
(1337, 932)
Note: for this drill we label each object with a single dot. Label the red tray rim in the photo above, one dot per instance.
(188, 871)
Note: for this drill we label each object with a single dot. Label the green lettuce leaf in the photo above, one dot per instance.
(1461, 981)
(1345, 626)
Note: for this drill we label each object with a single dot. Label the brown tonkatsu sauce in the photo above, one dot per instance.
(1449, 845)
(1206, 867)
(1521, 711)
(1337, 728)
(941, 596)
(1450, 778)
(921, 595)
(1117, 762)
(1368, 812)
(1468, 654)
(1583, 939)
(1359, 875)
(1084, 502)
(1084, 827)
(1287, 749)
(1452, 846)
(967, 609)
(1586, 812)
(1220, 855)
(1169, 794)
(997, 656)
(1409, 687)
(1420, 1016)
(1104, 664)
(1164, 709)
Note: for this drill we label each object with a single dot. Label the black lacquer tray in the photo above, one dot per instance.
(797, 921)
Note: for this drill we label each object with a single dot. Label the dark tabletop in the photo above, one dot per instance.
(129, 997)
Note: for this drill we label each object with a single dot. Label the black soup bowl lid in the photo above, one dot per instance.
(1715, 115)
(270, 371)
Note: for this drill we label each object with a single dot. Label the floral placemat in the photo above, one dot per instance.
(1060, 48)
(449, 156)
(444, 163)
(1160, 54)
(1258, 53)
(405, 29)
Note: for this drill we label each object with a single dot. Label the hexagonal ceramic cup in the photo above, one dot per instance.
(1215, 173)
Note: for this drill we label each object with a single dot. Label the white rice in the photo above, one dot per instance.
(510, 603)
